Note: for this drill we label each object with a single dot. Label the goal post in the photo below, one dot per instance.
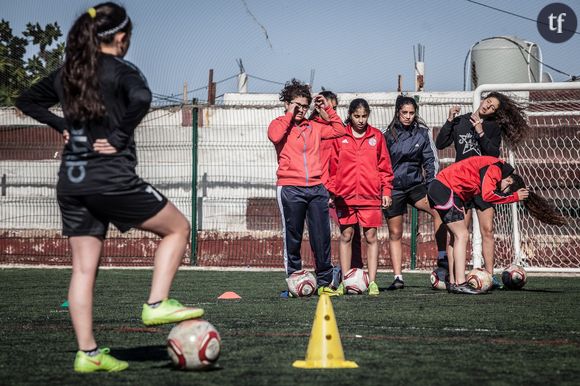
(549, 161)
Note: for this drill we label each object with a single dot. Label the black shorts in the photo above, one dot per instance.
(90, 215)
(478, 203)
(403, 197)
(449, 206)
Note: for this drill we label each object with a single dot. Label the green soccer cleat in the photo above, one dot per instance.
(373, 289)
(340, 290)
(101, 362)
(325, 290)
(169, 311)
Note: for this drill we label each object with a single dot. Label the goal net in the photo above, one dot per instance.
(549, 162)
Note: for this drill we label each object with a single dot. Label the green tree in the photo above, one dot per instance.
(18, 73)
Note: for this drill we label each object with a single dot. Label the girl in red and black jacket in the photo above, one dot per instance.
(497, 183)
(300, 192)
(360, 182)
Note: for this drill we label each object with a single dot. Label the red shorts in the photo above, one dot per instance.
(367, 217)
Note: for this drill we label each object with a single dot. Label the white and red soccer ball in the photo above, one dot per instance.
(479, 279)
(301, 283)
(438, 278)
(514, 277)
(194, 344)
(355, 281)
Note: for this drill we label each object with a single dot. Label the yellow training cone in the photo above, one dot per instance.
(324, 347)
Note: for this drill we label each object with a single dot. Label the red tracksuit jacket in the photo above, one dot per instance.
(360, 169)
(464, 179)
(298, 147)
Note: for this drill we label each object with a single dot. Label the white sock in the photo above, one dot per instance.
(400, 277)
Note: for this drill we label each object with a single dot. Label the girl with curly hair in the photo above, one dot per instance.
(301, 193)
(495, 181)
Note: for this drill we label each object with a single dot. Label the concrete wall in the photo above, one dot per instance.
(235, 159)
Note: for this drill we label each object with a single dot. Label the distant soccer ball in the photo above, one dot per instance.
(301, 283)
(356, 281)
(514, 277)
(438, 278)
(479, 279)
(194, 345)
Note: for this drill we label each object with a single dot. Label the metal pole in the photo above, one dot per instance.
(515, 223)
(414, 221)
(194, 184)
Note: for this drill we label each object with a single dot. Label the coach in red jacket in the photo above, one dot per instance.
(300, 192)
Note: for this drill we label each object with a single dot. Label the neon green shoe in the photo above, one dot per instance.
(373, 289)
(169, 311)
(340, 290)
(324, 290)
(101, 362)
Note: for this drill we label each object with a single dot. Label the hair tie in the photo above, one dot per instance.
(92, 12)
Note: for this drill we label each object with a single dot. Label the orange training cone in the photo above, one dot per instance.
(229, 295)
(324, 347)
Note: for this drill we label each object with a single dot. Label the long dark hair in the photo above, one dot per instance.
(82, 96)
(355, 104)
(399, 103)
(330, 96)
(538, 206)
(511, 119)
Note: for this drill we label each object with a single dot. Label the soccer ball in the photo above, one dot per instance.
(194, 345)
(356, 281)
(480, 279)
(514, 277)
(438, 278)
(301, 283)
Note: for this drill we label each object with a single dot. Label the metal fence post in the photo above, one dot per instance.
(194, 139)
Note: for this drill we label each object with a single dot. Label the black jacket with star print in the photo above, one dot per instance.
(468, 143)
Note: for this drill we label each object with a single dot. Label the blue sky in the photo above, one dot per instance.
(353, 46)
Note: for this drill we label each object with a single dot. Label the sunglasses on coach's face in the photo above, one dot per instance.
(304, 107)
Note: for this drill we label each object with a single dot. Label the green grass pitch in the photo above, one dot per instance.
(415, 336)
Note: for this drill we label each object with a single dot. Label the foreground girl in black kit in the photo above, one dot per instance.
(104, 98)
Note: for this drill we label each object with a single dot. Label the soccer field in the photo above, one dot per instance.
(416, 336)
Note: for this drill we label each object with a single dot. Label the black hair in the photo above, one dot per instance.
(355, 104)
(399, 103)
(538, 206)
(82, 96)
(511, 119)
(329, 95)
(294, 88)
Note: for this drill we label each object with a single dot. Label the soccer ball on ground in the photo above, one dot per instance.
(356, 281)
(479, 279)
(194, 345)
(438, 278)
(514, 277)
(301, 283)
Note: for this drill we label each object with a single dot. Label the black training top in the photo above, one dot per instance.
(467, 142)
(126, 97)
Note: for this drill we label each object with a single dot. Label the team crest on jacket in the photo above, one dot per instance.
(373, 141)
(345, 140)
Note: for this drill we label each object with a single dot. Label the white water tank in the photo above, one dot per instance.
(505, 59)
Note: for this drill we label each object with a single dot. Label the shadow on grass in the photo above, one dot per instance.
(143, 354)
(152, 354)
(548, 291)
